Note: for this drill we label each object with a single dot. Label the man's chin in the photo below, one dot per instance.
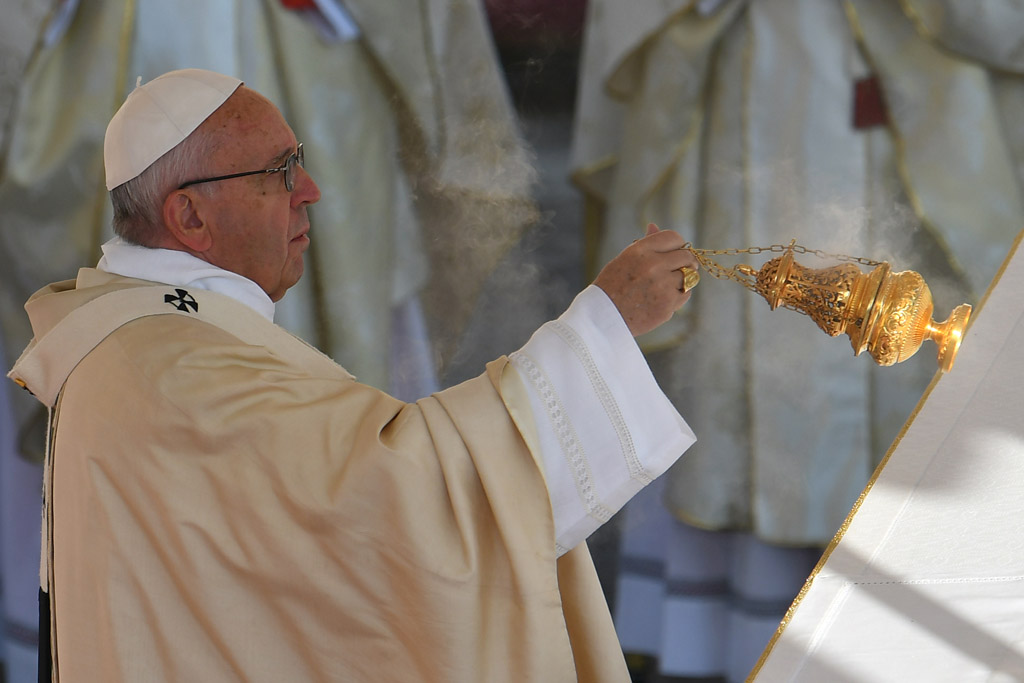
(288, 281)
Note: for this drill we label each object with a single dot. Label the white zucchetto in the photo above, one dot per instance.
(157, 116)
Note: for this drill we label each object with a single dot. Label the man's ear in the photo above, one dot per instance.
(184, 222)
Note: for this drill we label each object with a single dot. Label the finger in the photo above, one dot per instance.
(664, 241)
(674, 259)
(651, 229)
(689, 259)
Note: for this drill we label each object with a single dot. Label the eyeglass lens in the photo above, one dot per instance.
(289, 168)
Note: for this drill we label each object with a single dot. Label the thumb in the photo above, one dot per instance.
(651, 229)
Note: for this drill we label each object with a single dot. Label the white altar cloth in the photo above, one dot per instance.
(925, 580)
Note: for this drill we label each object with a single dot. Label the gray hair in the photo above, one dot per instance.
(138, 203)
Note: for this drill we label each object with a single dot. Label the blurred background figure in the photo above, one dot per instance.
(888, 130)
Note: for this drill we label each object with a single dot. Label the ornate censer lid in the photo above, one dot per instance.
(888, 314)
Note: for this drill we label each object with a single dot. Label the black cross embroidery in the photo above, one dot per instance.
(183, 301)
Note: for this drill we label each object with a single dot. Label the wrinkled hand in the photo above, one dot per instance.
(644, 281)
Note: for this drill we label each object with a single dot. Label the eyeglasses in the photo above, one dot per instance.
(293, 160)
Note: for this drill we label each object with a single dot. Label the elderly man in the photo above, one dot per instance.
(223, 502)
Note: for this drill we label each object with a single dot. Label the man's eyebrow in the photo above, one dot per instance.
(279, 159)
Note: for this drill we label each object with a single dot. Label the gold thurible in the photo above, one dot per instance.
(885, 313)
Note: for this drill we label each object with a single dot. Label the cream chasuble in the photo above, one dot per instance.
(261, 515)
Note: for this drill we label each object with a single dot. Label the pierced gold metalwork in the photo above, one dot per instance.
(885, 313)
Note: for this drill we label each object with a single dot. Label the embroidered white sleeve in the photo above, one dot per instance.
(604, 427)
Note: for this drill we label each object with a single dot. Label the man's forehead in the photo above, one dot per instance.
(246, 109)
(249, 122)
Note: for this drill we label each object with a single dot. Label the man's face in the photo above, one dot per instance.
(258, 227)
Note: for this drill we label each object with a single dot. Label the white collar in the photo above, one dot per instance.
(184, 270)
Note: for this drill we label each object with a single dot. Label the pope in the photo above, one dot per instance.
(224, 502)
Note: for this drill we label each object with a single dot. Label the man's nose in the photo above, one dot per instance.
(306, 190)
